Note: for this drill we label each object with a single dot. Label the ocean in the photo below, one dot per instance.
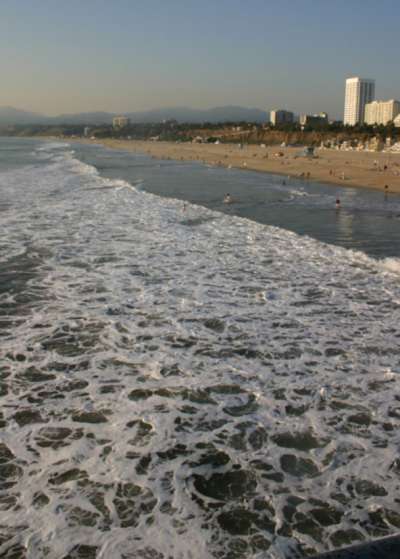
(192, 380)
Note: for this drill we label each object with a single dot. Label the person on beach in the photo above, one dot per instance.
(227, 198)
(337, 205)
(386, 190)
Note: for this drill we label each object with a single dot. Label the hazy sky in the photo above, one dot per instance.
(126, 55)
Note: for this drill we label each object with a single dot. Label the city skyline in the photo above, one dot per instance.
(360, 106)
(126, 56)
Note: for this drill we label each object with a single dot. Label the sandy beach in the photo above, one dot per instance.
(344, 168)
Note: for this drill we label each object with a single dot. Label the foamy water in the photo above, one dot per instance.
(182, 383)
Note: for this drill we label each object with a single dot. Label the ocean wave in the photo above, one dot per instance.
(391, 265)
(182, 383)
(51, 146)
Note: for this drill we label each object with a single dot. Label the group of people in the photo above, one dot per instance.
(229, 200)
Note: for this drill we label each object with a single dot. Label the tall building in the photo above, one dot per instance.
(121, 122)
(281, 117)
(314, 120)
(358, 93)
(381, 112)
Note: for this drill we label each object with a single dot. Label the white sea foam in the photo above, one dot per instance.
(188, 384)
(297, 192)
(391, 265)
(52, 146)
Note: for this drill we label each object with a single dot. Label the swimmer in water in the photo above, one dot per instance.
(337, 204)
(228, 199)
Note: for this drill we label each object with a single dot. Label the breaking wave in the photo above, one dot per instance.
(176, 382)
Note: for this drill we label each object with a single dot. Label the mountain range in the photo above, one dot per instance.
(232, 113)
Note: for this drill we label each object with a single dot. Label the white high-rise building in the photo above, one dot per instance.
(381, 112)
(358, 93)
(281, 117)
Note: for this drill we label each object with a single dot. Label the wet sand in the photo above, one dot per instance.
(343, 168)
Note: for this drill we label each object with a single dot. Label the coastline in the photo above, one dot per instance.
(359, 169)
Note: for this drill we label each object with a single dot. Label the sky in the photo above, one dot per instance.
(63, 56)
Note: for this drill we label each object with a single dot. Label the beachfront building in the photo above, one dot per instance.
(396, 121)
(314, 120)
(281, 117)
(381, 112)
(121, 122)
(359, 92)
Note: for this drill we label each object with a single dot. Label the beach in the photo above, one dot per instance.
(345, 168)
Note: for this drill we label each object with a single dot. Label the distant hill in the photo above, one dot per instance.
(92, 118)
(186, 114)
(10, 115)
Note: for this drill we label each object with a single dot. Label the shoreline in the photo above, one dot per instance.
(371, 170)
